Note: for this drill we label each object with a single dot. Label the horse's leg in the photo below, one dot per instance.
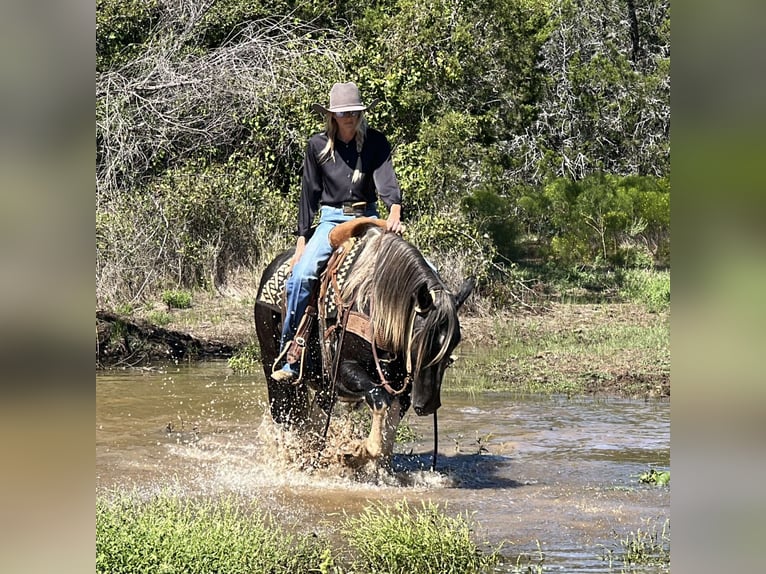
(288, 403)
(390, 424)
(380, 442)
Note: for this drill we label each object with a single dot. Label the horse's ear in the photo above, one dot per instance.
(465, 290)
(423, 298)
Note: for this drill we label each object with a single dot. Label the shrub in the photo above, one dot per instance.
(246, 359)
(652, 288)
(177, 299)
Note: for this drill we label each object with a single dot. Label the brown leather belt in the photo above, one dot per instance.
(355, 208)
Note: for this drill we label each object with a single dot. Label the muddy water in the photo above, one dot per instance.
(559, 472)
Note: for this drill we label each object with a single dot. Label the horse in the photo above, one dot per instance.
(386, 326)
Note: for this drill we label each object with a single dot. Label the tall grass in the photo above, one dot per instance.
(170, 534)
(401, 538)
(647, 286)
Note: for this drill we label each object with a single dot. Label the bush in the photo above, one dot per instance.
(177, 299)
(652, 288)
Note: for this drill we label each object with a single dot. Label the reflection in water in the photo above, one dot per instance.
(559, 471)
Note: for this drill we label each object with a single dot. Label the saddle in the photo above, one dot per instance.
(345, 239)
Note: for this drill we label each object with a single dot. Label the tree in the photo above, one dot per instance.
(605, 106)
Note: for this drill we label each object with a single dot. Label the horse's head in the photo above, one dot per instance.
(435, 334)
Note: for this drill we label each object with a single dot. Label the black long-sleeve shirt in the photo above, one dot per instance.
(330, 182)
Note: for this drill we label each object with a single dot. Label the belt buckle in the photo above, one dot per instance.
(356, 209)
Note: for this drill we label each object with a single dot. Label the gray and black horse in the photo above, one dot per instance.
(385, 329)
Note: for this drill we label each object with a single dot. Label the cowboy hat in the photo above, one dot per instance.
(344, 98)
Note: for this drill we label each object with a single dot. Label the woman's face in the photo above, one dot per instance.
(347, 120)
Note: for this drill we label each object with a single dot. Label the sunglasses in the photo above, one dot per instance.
(354, 114)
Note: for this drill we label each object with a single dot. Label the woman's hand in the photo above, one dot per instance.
(393, 223)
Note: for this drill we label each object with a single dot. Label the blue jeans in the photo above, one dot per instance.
(305, 273)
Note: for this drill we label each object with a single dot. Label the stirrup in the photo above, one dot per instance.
(282, 376)
(279, 374)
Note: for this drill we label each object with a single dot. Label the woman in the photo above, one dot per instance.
(346, 168)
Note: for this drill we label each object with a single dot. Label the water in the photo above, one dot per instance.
(558, 472)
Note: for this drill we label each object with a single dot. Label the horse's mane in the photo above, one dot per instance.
(383, 283)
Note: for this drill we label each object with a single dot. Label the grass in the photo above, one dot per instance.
(650, 287)
(177, 299)
(649, 547)
(167, 533)
(171, 534)
(401, 538)
(574, 350)
(247, 359)
(655, 477)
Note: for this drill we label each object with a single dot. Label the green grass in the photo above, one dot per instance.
(159, 318)
(650, 287)
(167, 533)
(401, 538)
(649, 547)
(180, 299)
(655, 477)
(595, 353)
(247, 359)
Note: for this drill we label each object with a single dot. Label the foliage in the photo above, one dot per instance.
(170, 534)
(159, 318)
(652, 476)
(652, 288)
(247, 359)
(190, 227)
(390, 540)
(177, 299)
(642, 548)
(167, 533)
(601, 219)
(605, 105)
(122, 26)
(453, 245)
(515, 123)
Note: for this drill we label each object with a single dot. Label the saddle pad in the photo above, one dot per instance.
(273, 292)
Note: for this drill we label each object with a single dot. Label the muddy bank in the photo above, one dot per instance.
(128, 342)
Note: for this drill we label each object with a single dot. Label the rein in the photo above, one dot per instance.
(383, 381)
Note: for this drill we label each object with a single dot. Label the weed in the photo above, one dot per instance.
(525, 565)
(177, 299)
(654, 477)
(159, 318)
(169, 534)
(405, 433)
(401, 538)
(124, 309)
(247, 359)
(651, 288)
(648, 547)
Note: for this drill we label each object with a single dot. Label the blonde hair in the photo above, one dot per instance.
(328, 153)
